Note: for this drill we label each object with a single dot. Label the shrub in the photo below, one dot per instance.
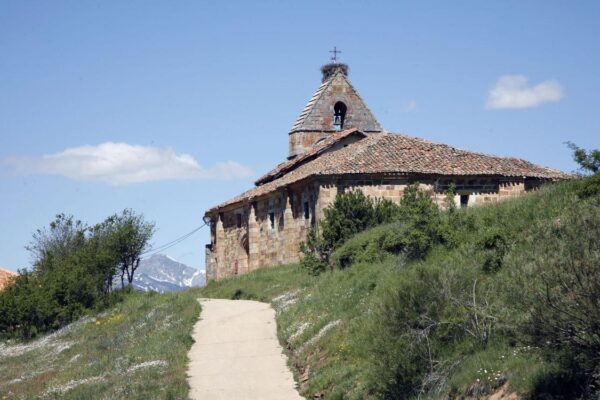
(419, 226)
(350, 213)
(589, 187)
(423, 313)
(370, 246)
(494, 245)
(565, 312)
(73, 272)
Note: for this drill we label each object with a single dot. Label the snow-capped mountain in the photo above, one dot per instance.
(164, 274)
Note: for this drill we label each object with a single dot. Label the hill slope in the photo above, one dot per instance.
(454, 325)
(135, 350)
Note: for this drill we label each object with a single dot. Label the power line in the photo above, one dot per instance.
(173, 242)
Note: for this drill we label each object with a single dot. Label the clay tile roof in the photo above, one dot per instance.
(5, 277)
(315, 151)
(389, 153)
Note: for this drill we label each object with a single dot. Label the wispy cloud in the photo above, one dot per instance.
(513, 91)
(123, 163)
(409, 106)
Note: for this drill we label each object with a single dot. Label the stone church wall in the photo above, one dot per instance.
(269, 230)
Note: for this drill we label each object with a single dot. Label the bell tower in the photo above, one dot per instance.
(335, 106)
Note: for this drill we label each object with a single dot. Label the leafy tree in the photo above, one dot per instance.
(588, 160)
(54, 244)
(129, 237)
(100, 256)
(73, 270)
(416, 206)
(449, 198)
(353, 212)
(350, 213)
(384, 211)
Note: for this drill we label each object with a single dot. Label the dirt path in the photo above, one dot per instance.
(236, 354)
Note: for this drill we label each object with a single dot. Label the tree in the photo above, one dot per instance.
(588, 160)
(353, 212)
(350, 213)
(73, 271)
(100, 255)
(54, 244)
(129, 237)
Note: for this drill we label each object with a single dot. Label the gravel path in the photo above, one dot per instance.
(237, 355)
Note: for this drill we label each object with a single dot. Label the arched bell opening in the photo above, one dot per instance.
(339, 115)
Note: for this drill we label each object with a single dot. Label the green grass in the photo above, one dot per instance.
(346, 332)
(134, 350)
(305, 305)
(261, 285)
(362, 332)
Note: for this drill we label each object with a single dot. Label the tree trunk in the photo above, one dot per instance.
(134, 265)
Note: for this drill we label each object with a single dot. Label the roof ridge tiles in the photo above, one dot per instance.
(480, 153)
(392, 153)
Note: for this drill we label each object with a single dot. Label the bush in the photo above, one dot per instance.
(370, 246)
(418, 227)
(350, 213)
(589, 187)
(311, 261)
(494, 245)
(73, 272)
(565, 310)
(432, 314)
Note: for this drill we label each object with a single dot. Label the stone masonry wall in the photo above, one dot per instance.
(269, 230)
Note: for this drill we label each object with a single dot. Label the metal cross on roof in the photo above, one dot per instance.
(335, 52)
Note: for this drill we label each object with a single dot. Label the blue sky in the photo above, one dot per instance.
(185, 103)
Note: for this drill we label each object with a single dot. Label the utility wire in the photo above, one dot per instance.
(173, 242)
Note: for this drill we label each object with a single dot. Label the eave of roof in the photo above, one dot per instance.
(387, 153)
(315, 151)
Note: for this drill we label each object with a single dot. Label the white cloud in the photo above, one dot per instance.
(123, 163)
(409, 106)
(512, 91)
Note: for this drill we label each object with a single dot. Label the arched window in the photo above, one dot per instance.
(339, 114)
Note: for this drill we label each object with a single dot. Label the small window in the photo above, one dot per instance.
(306, 210)
(339, 114)
(238, 221)
(464, 200)
(272, 220)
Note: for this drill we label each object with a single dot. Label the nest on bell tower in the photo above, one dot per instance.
(330, 69)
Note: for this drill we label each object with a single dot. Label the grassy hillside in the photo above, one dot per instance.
(135, 350)
(465, 321)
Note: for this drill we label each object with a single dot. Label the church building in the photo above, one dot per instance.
(337, 144)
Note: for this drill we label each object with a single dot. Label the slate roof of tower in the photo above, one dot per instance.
(389, 153)
(305, 121)
(309, 106)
